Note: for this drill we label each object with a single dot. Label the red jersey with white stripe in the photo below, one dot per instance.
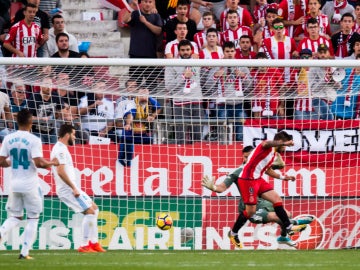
(207, 54)
(307, 43)
(239, 55)
(260, 11)
(200, 39)
(235, 35)
(279, 49)
(258, 162)
(324, 25)
(172, 48)
(24, 38)
(245, 18)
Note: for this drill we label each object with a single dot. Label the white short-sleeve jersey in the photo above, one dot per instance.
(61, 152)
(22, 147)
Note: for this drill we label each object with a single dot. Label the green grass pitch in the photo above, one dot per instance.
(236, 259)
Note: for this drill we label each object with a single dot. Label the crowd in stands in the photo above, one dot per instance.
(213, 29)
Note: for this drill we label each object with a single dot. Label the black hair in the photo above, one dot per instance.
(312, 21)
(56, 16)
(283, 136)
(228, 44)
(184, 43)
(24, 117)
(61, 35)
(247, 149)
(65, 129)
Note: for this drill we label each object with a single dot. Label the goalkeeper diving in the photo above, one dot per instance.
(265, 212)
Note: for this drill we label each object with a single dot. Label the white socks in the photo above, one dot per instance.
(29, 235)
(90, 229)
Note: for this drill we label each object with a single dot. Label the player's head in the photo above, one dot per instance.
(246, 152)
(282, 136)
(24, 119)
(67, 134)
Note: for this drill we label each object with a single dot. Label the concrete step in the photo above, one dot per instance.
(98, 37)
(91, 26)
(77, 14)
(113, 49)
(80, 4)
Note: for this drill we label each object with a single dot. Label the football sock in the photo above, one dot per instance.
(86, 229)
(29, 235)
(241, 220)
(281, 213)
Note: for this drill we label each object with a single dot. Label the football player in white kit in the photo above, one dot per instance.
(22, 152)
(70, 194)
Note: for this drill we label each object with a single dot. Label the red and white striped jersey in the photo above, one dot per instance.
(356, 27)
(172, 48)
(258, 162)
(235, 35)
(239, 55)
(207, 54)
(24, 38)
(307, 43)
(245, 18)
(279, 49)
(324, 25)
(260, 11)
(200, 39)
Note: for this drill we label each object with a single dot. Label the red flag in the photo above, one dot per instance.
(116, 5)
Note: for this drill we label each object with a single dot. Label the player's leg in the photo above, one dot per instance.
(15, 209)
(250, 200)
(33, 203)
(274, 198)
(80, 205)
(92, 213)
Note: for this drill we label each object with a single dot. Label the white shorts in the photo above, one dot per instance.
(77, 204)
(31, 201)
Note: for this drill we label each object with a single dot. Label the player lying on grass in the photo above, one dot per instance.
(264, 209)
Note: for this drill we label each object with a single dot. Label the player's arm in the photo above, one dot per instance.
(43, 163)
(63, 175)
(209, 183)
(268, 144)
(4, 162)
(270, 172)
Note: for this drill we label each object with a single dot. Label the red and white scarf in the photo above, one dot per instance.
(337, 6)
(342, 49)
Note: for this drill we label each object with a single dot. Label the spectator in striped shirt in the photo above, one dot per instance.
(314, 40)
(25, 37)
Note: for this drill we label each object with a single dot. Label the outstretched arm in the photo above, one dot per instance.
(268, 144)
(209, 183)
(270, 172)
